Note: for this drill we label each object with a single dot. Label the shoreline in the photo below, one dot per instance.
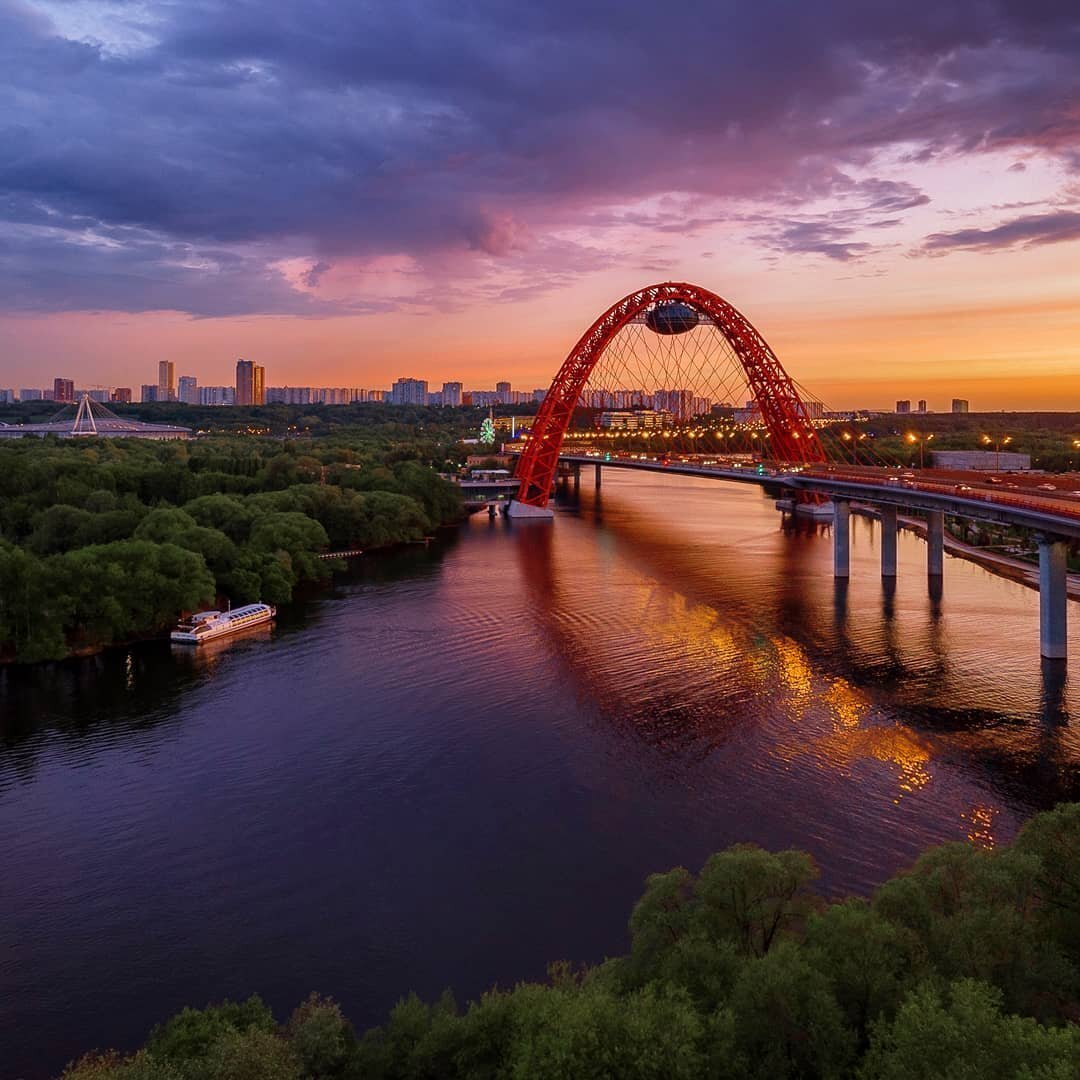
(86, 651)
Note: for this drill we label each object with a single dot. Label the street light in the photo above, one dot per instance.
(913, 437)
(848, 437)
(998, 442)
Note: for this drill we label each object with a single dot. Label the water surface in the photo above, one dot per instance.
(462, 761)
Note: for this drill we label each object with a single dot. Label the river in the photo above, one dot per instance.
(462, 761)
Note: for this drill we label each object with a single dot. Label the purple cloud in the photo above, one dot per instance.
(312, 277)
(264, 130)
(1029, 231)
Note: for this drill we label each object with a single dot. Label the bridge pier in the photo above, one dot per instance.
(888, 540)
(841, 538)
(1053, 598)
(598, 476)
(935, 542)
(577, 478)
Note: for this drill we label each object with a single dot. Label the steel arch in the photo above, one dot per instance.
(793, 438)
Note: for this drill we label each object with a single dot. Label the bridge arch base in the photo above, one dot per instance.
(521, 511)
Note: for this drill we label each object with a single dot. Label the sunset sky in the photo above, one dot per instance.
(351, 191)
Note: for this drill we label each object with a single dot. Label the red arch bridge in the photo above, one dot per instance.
(667, 353)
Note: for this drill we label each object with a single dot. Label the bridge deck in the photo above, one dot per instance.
(1056, 514)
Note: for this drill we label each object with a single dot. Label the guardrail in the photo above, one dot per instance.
(1039, 504)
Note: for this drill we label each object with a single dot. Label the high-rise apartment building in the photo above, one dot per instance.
(250, 383)
(148, 392)
(245, 382)
(451, 393)
(680, 403)
(166, 380)
(63, 390)
(187, 390)
(409, 392)
(959, 404)
(217, 395)
(29, 393)
(922, 405)
(121, 395)
(502, 389)
(903, 406)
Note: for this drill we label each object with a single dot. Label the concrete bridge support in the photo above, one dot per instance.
(598, 476)
(888, 540)
(1053, 598)
(841, 538)
(935, 542)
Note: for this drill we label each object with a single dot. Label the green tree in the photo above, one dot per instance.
(190, 1034)
(57, 529)
(320, 1038)
(112, 1066)
(226, 513)
(253, 1054)
(1053, 839)
(296, 536)
(975, 914)
(560, 1033)
(869, 961)
(787, 1020)
(962, 1035)
(753, 896)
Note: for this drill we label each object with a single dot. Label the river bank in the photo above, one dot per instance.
(303, 593)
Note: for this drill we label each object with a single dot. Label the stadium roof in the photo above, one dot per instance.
(90, 419)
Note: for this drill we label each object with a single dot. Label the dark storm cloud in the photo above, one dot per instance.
(332, 130)
(1032, 230)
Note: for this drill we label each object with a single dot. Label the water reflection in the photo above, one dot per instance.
(681, 674)
(205, 658)
(912, 653)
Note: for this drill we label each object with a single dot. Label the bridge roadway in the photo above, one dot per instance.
(1055, 519)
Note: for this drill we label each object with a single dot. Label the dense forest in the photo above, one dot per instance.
(963, 968)
(105, 540)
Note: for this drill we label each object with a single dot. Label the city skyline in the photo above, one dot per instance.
(888, 200)
(185, 388)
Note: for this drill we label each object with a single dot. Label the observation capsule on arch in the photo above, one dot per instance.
(671, 317)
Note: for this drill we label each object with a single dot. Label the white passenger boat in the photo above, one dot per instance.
(207, 625)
